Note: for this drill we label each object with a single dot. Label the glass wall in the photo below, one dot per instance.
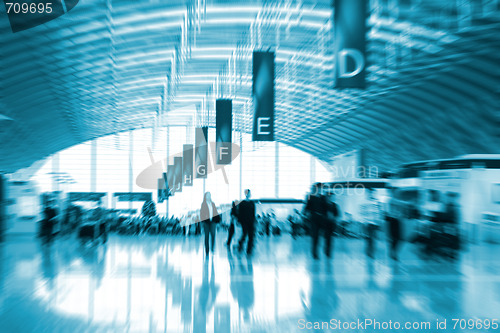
(269, 169)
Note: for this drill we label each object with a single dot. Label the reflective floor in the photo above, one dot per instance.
(165, 284)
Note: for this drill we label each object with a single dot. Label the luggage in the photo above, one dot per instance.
(444, 239)
(92, 232)
(87, 232)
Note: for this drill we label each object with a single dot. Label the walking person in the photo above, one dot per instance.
(450, 225)
(50, 218)
(370, 213)
(209, 217)
(266, 218)
(246, 216)
(100, 216)
(393, 218)
(233, 218)
(330, 223)
(315, 210)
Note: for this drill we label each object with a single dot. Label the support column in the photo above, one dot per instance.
(313, 170)
(3, 208)
(276, 169)
(93, 166)
(55, 172)
(130, 165)
(241, 165)
(166, 167)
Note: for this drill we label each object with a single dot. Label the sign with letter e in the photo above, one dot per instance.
(263, 96)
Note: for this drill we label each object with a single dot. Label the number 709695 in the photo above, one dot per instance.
(28, 7)
(475, 324)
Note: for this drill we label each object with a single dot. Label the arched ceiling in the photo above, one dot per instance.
(115, 65)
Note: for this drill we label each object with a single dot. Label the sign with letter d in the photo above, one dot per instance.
(350, 30)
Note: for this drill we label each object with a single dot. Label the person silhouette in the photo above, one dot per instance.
(370, 212)
(209, 217)
(246, 216)
(232, 226)
(316, 211)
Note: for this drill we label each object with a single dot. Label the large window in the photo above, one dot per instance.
(121, 157)
(495, 193)
(112, 163)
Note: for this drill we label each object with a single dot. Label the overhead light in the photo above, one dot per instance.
(2, 117)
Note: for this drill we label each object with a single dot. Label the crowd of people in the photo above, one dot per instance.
(320, 218)
(97, 222)
(242, 213)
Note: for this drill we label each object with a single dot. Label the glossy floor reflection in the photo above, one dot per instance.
(165, 284)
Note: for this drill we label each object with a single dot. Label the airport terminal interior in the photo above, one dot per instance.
(250, 166)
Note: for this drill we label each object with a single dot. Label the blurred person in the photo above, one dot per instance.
(343, 225)
(291, 221)
(198, 228)
(316, 209)
(99, 215)
(232, 220)
(436, 215)
(275, 224)
(67, 217)
(295, 223)
(330, 224)
(393, 216)
(370, 213)
(78, 217)
(347, 223)
(246, 216)
(209, 217)
(50, 218)
(266, 219)
(452, 209)
(451, 219)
